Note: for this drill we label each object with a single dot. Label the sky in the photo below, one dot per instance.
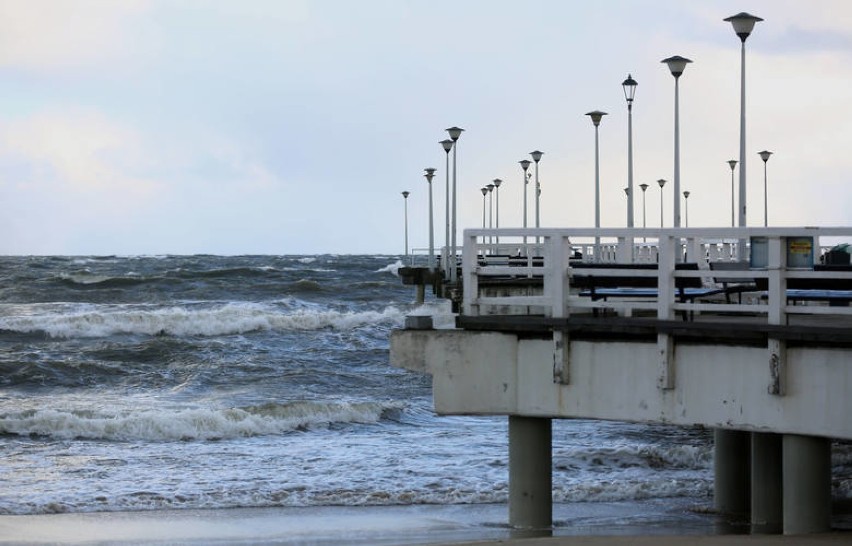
(292, 126)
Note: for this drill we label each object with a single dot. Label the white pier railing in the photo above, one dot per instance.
(781, 273)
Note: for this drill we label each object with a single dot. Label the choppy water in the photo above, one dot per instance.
(139, 383)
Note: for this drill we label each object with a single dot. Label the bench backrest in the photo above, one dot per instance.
(584, 277)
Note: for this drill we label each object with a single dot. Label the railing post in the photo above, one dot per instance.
(668, 245)
(557, 287)
(470, 281)
(777, 292)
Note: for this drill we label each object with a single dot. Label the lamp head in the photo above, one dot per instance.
(497, 182)
(629, 86)
(644, 187)
(484, 191)
(596, 116)
(447, 145)
(490, 187)
(405, 194)
(676, 65)
(661, 182)
(764, 155)
(525, 164)
(455, 133)
(430, 173)
(732, 163)
(536, 155)
(686, 195)
(626, 191)
(743, 24)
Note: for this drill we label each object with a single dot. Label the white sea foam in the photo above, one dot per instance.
(392, 268)
(225, 319)
(188, 423)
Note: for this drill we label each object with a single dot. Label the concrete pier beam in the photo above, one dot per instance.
(807, 484)
(766, 492)
(732, 470)
(530, 473)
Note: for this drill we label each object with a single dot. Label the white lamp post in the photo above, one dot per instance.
(764, 155)
(405, 195)
(743, 24)
(447, 144)
(686, 207)
(596, 116)
(490, 212)
(455, 133)
(497, 183)
(733, 164)
(676, 65)
(536, 155)
(662, 183)
(644, 225)
(525, 164)
(629, 86)
(484, 194)
(430, 173)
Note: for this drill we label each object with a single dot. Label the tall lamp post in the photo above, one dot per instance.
(686, 207)
(405, 195)
(764, 155)
(536, 155)
(455, 133)
(596, 116)
(733, 164)
(430, 173)
(676, 65)
(743, 24)
(497, 183)
(644, 225)
(662, 183)
(447, 144)
(525, 164)
(629, 86)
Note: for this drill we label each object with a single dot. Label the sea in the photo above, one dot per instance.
(185, 383)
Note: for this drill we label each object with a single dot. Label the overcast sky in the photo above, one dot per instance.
(287, 126)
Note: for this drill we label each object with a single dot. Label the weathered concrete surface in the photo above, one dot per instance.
(714, 385)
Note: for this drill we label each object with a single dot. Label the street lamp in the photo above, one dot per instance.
(455, 133)
(447, 144)
(490, 211)
(596, 116)
(525, 164)
(644, 225)
(405, 195)
(743, 24)
(484, 193)
(733, 164)
(536, 155)
(629, 86)
(497, 183)
(686, 207)
(430, 173)
(676, 65)
(764, 155)
(662, 183)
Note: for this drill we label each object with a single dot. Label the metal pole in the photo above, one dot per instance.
(405, 198)
(630, 164)
(765, 198)
(597, 198)
(430, 173)
(447, 148)
(741, 250)
(453, 259)
(677, 155)
(733, 164)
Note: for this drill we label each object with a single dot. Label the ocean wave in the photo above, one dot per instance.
(189, 424)
(391, 268)
(92, 280)
(226, 319)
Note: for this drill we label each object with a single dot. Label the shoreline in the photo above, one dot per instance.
(656, 521)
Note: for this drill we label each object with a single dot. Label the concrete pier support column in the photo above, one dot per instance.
(530, 471)
(807, 484)
(732, 469)
(766, 493)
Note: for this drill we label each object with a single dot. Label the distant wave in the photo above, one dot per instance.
(392, 268)
(225, 319)
(189, 424)
(90, 280)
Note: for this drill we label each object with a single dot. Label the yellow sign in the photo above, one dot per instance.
(799, 246)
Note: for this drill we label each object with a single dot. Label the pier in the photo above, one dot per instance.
(747, 331)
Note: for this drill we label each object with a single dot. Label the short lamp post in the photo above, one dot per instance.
(536, 155)
(430, 173)
(525, 164)
(629, 87)
(490, 212)
(405, 195)
(686, 207)
(497, 183)
(484, 194)
(733, 165)
(596, 116)
(662, 183)
(447, 144)
(644, 188)
(764, 155)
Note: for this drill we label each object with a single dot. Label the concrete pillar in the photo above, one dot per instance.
(530, 471)
(421, 293)
(807, 484)
(732, 469)
(766, 492)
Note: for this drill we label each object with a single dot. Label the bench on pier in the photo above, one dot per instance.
(835, 291)
(733, 285)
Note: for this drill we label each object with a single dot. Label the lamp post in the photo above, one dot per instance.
(764, 155)
(662, 183)
(743, 24)
(644, 225)
(525, 164)
(733, 164)
(497, 183)
(676, 65)
(430, 173)
(596, 116)
(484, 191)
(629, 87)
(447, 144)
(405, 195)
(455, 133)
(536, 155)
(490, 210)
(686, 207)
